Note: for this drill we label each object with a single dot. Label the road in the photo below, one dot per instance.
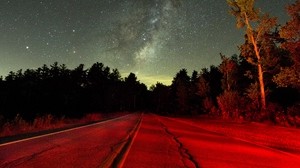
(142, 141)
(90, 146)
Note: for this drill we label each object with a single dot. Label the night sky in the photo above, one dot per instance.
(152, 38)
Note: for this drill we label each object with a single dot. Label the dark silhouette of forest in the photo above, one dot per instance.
(232, 89)
(59, 91)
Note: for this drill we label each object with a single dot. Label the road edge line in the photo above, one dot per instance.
(62, 131)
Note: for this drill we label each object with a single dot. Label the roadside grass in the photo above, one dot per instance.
(20, 126)
(47, 122)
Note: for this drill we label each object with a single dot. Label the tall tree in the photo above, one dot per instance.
(257, 27)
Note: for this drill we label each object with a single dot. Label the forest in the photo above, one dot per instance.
(261, 83)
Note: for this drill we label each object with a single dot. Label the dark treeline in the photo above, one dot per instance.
(60, 91)
(228, 91)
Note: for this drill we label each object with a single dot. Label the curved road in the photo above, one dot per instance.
(141, 141)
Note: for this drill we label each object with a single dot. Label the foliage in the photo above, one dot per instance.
(19, 126)
(290, 76)
(290, 32)
(231, 104)
(228, 68)
(208, 106)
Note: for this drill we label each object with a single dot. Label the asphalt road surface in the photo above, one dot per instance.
(89, 146)
(171, 142)
(141, 140)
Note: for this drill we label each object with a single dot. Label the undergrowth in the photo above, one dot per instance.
(47, 122)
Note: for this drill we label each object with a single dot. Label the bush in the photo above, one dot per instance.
(293, 114)
(231, 104)
(20, 126)
(93, 117)
(207, 104)
(43, 122)
(294, 110)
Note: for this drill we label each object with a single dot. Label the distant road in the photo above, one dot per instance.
(144, 141)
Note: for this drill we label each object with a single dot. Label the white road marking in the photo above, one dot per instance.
(54, 133)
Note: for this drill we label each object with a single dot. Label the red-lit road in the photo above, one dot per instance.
(90, 146)
(167, 142)
(151, 141)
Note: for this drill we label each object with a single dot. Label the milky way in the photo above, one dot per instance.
(152, 38)
(143, 32)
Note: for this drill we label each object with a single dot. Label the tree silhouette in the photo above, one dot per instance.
(180, 86)
(160, 98)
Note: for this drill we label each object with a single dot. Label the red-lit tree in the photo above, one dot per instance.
(257, 28)
(290, 76)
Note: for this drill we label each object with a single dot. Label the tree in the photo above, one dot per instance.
(290, 32)
(228, 68)
(115, 75)
(203, 84)
(78, 75)
(290, 76)
(160, 98)
(203, 91)
(257, 27)
(131, 90)
(180, 88)
(95, 74)
(194, 98)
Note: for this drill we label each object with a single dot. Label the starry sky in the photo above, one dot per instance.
(152, 38)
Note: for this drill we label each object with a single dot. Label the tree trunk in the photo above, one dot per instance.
(259, 65)
(262, 87)
(260, 75)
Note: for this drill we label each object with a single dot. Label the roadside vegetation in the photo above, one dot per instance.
(48, 122)
(261, 83)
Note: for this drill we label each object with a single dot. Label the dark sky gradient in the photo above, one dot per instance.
(152, 38)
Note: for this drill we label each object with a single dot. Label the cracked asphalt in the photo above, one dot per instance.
(169, 142)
